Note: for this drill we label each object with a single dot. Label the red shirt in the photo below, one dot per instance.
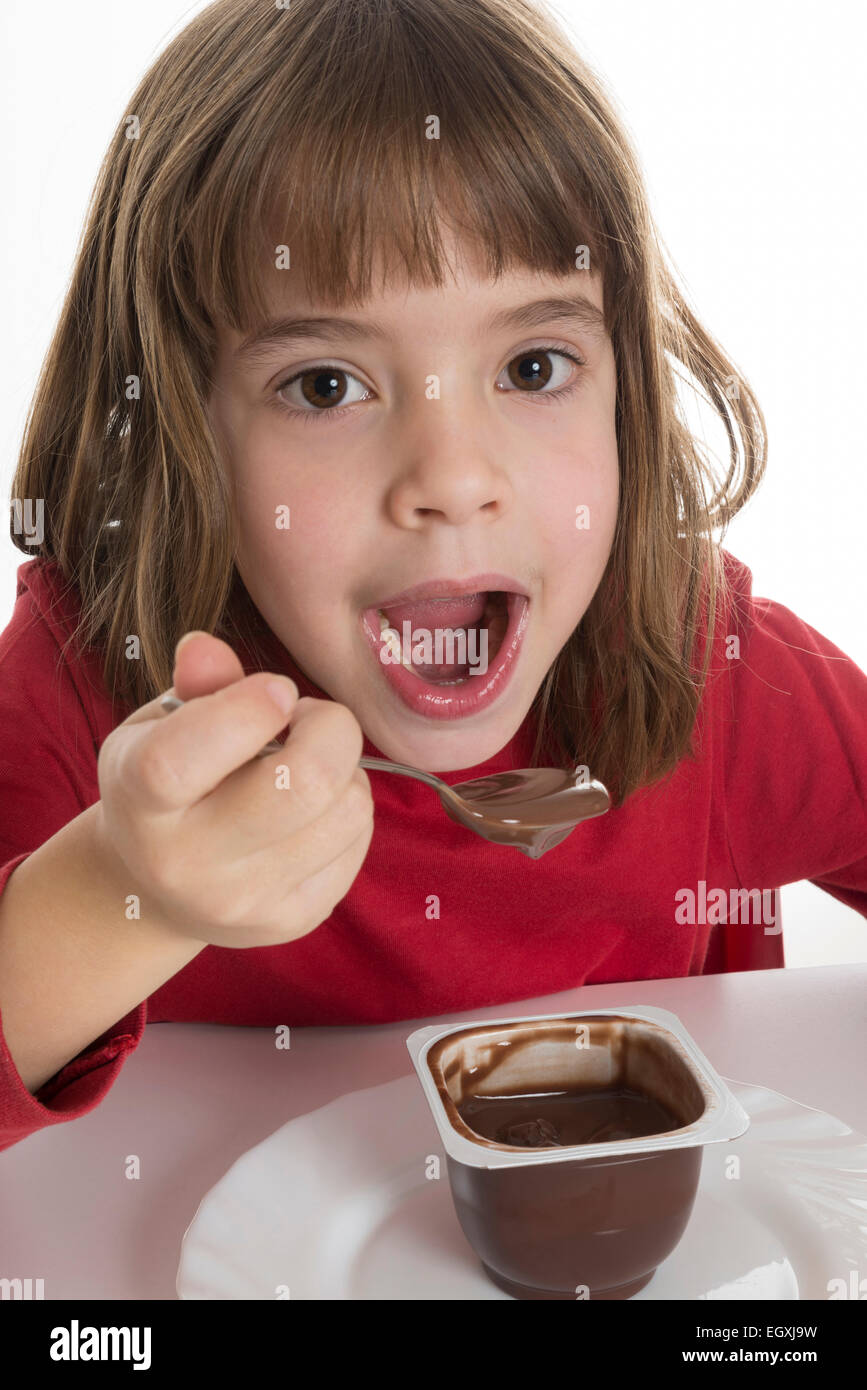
(777, 794)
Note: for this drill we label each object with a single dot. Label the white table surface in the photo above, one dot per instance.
(194, 1097)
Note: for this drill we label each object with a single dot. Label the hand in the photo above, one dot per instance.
(224, 852)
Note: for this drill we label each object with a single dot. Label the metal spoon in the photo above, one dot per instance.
(531, 809)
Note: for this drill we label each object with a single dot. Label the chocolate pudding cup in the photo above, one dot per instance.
(573, 1142)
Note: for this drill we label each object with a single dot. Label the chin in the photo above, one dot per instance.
(442, 747)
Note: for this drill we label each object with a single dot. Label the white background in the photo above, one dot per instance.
(749, 120)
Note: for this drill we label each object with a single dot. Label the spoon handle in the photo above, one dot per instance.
(383, 765)
(171, 702)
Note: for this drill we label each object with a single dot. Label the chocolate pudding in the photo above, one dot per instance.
(532, 809)
(591, 1115)
(618, 1069)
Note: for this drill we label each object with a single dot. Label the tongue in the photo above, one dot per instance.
(437, 615)
(437, 612)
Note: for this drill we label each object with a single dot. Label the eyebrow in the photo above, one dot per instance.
(576, 309)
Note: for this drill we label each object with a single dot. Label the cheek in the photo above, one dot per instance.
(296, 530)
(577, 508)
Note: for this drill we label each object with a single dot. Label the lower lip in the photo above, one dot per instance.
(472, 695)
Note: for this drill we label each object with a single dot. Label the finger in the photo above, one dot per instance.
(317, 896)
(252, 812)
(172, 762)
(311, 901)
(321, 753)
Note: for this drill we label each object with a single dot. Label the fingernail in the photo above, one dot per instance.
(186, 637)
(282, 692)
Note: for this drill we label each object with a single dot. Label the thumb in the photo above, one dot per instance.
(203, 665)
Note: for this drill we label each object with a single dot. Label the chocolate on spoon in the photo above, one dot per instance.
(533, 809)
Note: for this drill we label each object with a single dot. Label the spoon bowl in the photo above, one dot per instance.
(532, 809)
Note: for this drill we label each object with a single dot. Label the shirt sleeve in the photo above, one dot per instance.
(48, 757)
(796, 757)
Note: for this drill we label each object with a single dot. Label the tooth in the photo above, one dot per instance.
(393, 644)
(383, 620)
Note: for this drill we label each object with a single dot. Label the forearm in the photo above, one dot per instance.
(71, 961)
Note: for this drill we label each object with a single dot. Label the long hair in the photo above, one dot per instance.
(307, 127)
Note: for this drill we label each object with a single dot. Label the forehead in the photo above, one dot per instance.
(519, 299)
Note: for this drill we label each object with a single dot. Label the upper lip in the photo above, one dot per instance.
(454, 588)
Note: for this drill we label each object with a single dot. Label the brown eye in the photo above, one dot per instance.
(531, 371)
(544, 372)
(319, 391)
(323, 386)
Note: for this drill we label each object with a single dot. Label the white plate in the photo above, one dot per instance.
(336, 1205)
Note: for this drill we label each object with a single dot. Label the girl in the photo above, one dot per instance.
(370, 332)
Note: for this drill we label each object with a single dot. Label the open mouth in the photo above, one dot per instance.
(448, 656)
(443, 641)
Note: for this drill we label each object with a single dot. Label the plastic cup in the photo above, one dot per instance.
(591, 1220)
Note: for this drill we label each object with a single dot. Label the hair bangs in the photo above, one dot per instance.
(348, 194)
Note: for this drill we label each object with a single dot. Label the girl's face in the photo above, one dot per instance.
(439, 437)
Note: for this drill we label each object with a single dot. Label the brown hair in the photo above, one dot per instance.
(306, 126)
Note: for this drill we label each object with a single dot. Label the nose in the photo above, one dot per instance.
(448, 471)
